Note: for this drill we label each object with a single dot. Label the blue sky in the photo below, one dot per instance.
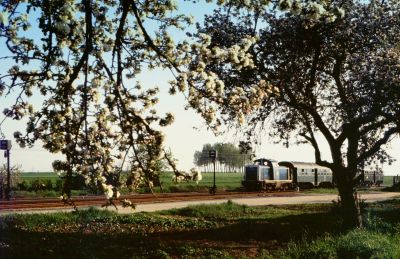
(181, 137)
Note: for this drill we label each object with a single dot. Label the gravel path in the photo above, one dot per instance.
(257, 201)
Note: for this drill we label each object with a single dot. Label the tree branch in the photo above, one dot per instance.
(148, 38)
(376, 147)
(313, 73)
(88, 44)
(313, 141)
(318, 122)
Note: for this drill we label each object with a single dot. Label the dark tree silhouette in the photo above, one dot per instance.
(333, 78)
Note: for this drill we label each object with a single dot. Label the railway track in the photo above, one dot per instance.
(83, 201)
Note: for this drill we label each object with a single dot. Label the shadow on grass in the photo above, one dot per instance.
(245, 234)
(277, 232)
(272, 234)
(22, 244)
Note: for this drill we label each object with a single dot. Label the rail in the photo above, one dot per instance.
(82, 201)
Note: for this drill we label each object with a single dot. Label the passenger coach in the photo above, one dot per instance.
(309, 174)
(266, 174)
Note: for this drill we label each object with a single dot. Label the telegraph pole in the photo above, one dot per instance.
(8, 190)
(6, 145)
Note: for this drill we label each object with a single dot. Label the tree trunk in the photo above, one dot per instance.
(350, 207)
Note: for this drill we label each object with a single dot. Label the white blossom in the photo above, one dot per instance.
(68, 112)
(108, 190)
(217, 52)
(62, 27)
(109, 193)
(240, 117)
(205, 38)
(247, 43)
(201, 66)
(87, 180)
(341, 12)
(315, 10)
(4, 18)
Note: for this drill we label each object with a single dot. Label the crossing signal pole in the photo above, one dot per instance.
(213, 155)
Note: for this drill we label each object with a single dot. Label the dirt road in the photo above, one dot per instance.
(256, 201)
(264, 200)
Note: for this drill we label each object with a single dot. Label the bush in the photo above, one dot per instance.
(355, 244)
(78, 182)
(41, 185)
(15, 178)
(365, 244)
(23, 185)
(93, 214)
(48, 185)
(59, 185)
(36, 185)
(377, 224)
(321, 248)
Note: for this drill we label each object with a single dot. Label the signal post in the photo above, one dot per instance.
(213, 155)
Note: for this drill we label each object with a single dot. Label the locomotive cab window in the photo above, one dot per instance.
(266, 173)
(283, 174)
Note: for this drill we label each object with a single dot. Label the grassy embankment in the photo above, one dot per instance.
(216, 231)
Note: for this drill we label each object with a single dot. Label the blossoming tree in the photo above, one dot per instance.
(82, 58)
(322, 71)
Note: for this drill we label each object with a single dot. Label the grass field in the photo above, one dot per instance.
(222, 178)
(224, 182)
(206, 231)
(46, 175)
(40, 175)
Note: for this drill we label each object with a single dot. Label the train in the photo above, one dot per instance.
(267, 175)
(369, 178)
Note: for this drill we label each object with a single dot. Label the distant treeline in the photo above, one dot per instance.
(230, 158)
